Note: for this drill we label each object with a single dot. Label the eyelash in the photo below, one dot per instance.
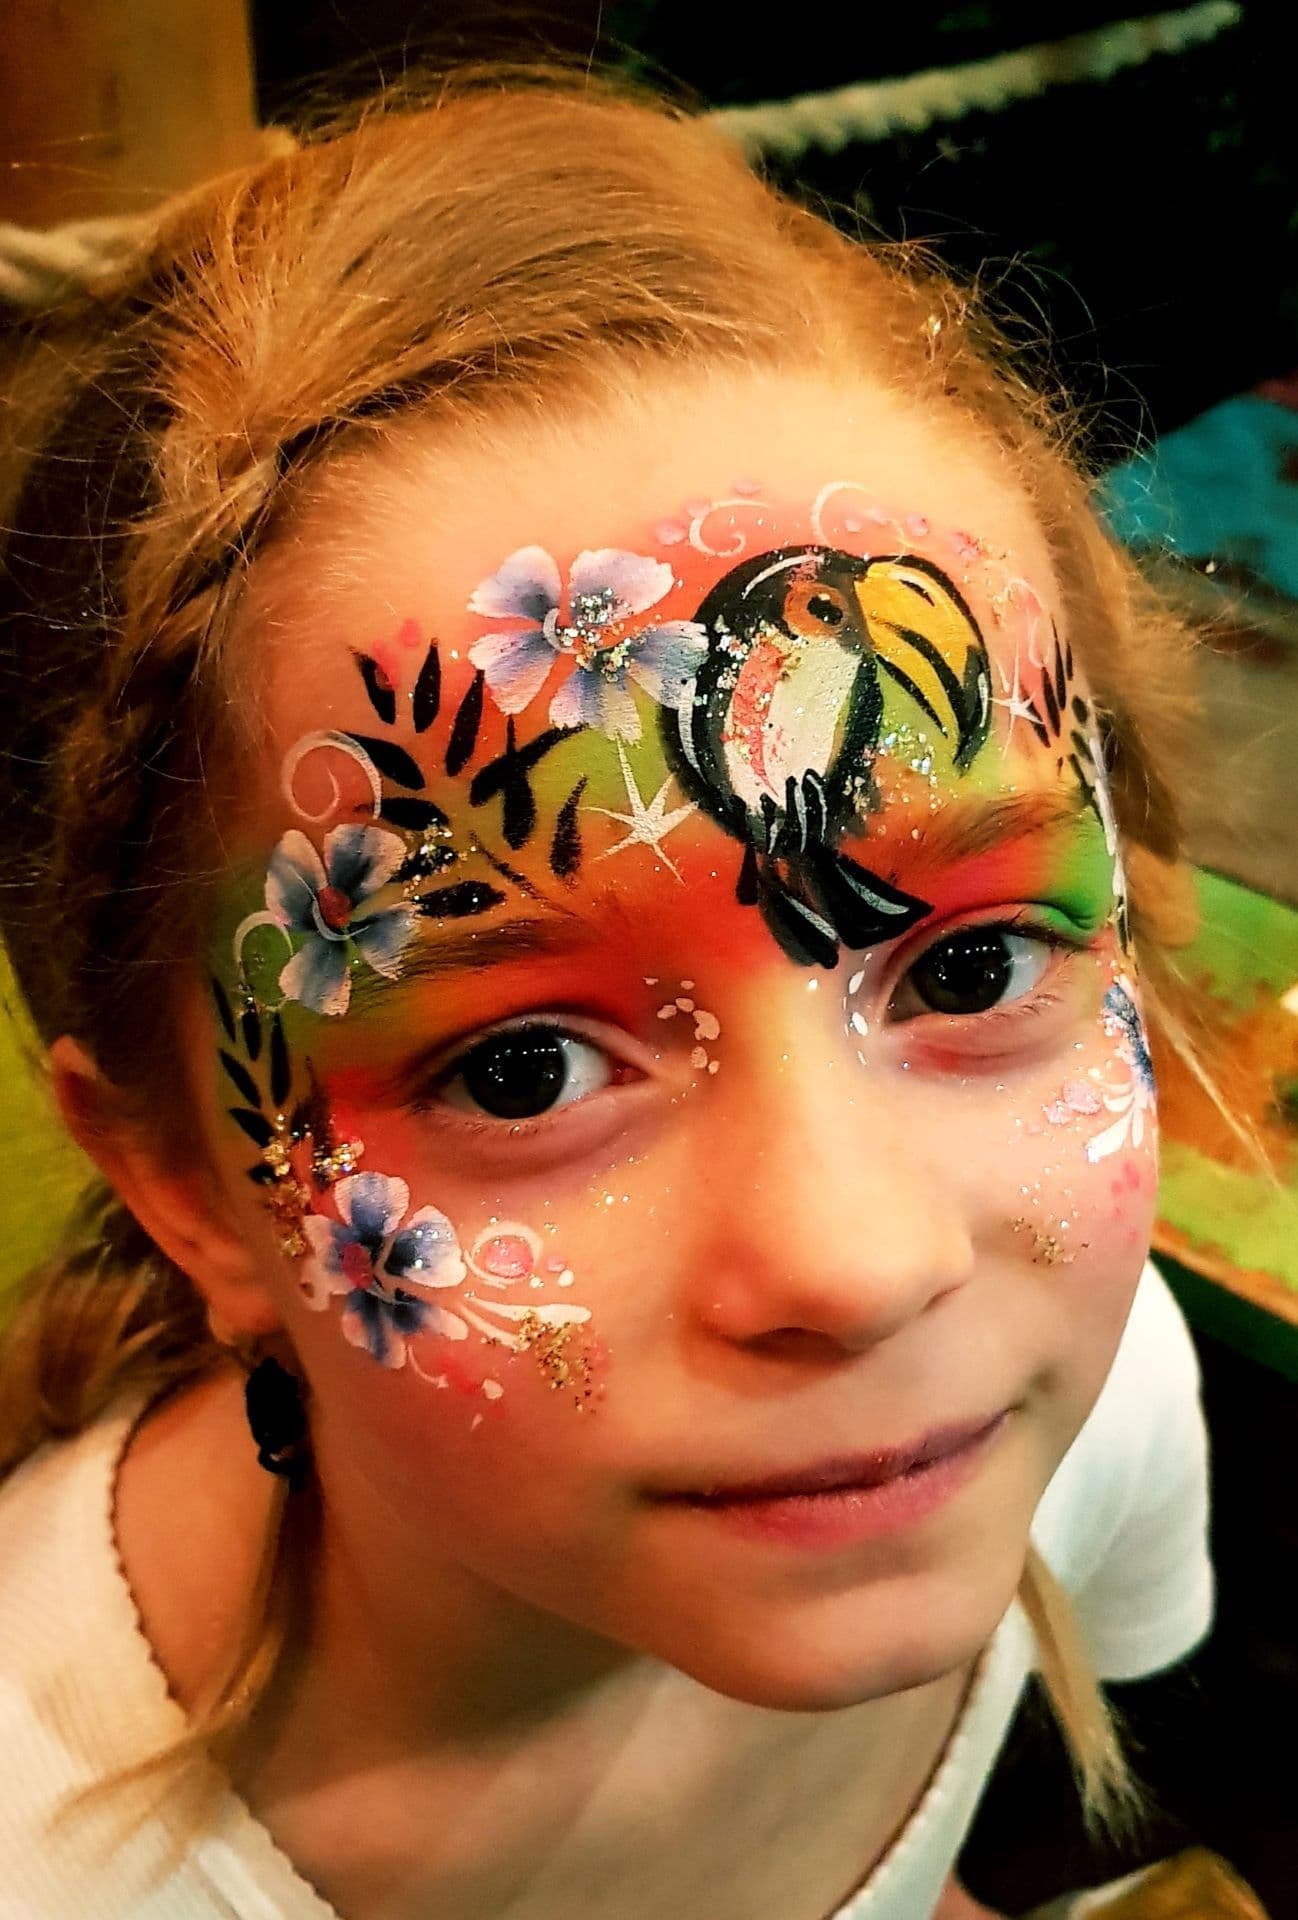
(1004, 1018)
(430, 1083)
(1037, 1000)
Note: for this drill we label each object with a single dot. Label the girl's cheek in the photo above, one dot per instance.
(452, 1285)
(1087, 1154)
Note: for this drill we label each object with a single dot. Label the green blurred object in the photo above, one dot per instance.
(1231, 1216)
(43, 1170)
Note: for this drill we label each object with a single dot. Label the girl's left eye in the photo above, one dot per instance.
(973, 971)
(522, 1072)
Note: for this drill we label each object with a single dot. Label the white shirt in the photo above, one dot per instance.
(1123, 1525)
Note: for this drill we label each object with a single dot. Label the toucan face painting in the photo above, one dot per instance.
(778, 740)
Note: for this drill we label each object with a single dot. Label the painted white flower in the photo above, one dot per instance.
(325, 899)
(385, 1267)
(606, 587)
(382, 1267)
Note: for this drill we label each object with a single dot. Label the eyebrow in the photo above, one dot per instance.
(463, 951)
(961, 831)
(965, 829)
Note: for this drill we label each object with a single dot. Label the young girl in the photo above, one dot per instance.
(586, 801)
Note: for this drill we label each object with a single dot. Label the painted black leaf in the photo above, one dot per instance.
(247, 1087)
(392, 761)
(565, 848)
(464, 731)
(225, 1012)
(383, 697)
(804, 936)
(1080, 709)
(281, 1076)
(1037, 723)
(1061, 675)
(508, 776)
(418, 815)
(427, 696)
(1052, 704)
(250, 1028)
(424, 862)
(460, 901)
(255, 1125)
(747, 888)
(514, 877)
(1086, 782)
(311, 1116)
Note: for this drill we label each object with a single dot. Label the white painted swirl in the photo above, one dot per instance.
(822, 500)
(241, 932)
(339, 742)
(699, 520)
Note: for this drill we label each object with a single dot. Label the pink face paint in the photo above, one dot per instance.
(1078, 1097)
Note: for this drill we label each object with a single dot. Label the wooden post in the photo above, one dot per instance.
(107, 106)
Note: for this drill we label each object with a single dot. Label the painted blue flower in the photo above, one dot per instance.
(374, 1261)
(606, 587)
(320, 898)
(1134, 1102)
(1122, 1021)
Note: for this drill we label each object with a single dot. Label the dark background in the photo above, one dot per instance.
(1147, 226)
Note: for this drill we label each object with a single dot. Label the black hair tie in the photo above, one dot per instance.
(273, 1398)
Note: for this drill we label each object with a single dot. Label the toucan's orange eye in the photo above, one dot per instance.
(811, 608)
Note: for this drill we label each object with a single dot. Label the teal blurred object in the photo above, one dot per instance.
(1223, 488)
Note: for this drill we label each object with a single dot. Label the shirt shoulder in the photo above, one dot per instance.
(82, 1697)
(79, 1697)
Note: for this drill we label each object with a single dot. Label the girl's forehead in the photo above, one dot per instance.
(695, 475)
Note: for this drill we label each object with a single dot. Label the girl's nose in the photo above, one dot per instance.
(836, 1209)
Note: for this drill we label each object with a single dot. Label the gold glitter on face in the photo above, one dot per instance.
(1048, 1249)
(564, 1365)
(287, 1198)
(337, 1162)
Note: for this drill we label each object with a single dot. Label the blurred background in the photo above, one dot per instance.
(1123, 189)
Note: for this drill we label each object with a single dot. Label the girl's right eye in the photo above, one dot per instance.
(520, 1073)
(982, 969)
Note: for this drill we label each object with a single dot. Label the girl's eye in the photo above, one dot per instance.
(526, 1071)
(972, 971)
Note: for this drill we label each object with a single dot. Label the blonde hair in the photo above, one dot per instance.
(511, 234)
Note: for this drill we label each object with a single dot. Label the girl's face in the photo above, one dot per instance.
(672, 1023)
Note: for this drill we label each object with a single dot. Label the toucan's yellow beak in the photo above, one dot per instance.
(927, 640)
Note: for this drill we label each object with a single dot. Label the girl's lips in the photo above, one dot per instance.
(843, 1471)
(832, 1517)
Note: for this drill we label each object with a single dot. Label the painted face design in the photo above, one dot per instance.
(394, 1271)
(778, 740)
(615, 705)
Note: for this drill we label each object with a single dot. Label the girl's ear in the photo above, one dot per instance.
(178, 1204)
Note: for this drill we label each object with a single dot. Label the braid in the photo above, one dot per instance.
(106, 640)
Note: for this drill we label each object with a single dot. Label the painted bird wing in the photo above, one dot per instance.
(928, 640)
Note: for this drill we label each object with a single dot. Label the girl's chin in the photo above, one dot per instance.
(819, 1678)
(808, 1689)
